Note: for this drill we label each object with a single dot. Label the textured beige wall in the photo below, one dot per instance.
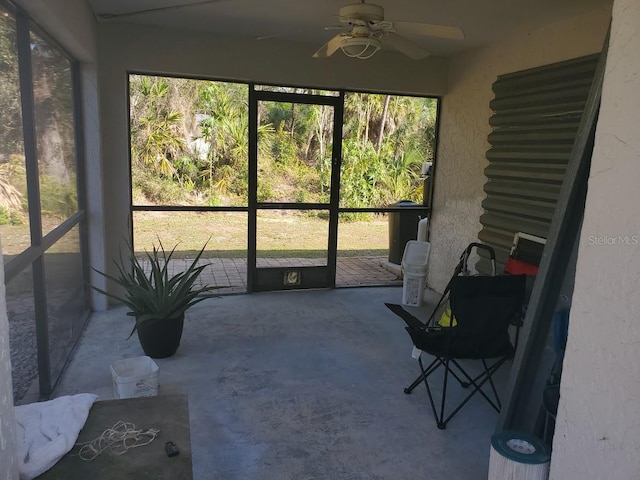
(598, 428)
(8, 459)
(125, 48)
(200, 54)
(94, 190)
(465, 125)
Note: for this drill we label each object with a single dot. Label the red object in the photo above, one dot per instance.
(518, 267)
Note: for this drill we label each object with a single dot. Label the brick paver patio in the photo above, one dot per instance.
(231, 273)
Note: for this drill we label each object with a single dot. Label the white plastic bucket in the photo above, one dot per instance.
(413, 288)
(416, 257)
(134, 377)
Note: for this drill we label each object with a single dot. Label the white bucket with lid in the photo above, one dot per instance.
(134, 377)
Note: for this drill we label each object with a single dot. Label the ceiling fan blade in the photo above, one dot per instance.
(405, 46)
(114, 16)
(430, 30)
(330, 47)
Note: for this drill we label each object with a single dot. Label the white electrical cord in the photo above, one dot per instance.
(118, 440)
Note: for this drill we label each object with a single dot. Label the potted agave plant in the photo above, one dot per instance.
(157, 300)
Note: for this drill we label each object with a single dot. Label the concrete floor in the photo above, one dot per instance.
(298, 385)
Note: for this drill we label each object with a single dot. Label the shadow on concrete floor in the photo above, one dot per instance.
(299, 385)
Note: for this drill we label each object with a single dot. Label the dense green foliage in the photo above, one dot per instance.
(11, 195)
(189, 144)
(11, 123)
(55, 142)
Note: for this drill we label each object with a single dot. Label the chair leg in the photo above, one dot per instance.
(462, 383)
(430, 369)
(419, 379)
(493, 386)
(434, 365)
(485, 376)
(477, 382)
(475, 379)
(443, 424)
(477, 388)
(467, 384)
(423, 375)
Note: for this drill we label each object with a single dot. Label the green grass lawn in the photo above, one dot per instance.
(279, 234)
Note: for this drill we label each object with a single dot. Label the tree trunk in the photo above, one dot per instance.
(383, 120)
(307, 149)
(365, 136)
(293, 119)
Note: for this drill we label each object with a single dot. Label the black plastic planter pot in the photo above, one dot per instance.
(161, 338)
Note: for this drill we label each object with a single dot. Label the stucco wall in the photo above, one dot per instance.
(124, 48)
(464, 126)
(8, 460)
(94, 174)
(598, 427)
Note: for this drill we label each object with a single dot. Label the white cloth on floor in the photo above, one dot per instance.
(48, 430)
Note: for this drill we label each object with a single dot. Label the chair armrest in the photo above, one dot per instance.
(409, 319)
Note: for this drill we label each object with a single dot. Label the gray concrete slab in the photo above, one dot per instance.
(169, 414)
(298, 385)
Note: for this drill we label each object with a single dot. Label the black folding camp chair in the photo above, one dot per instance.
(483, 308)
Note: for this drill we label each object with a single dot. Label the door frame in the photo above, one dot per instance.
(273, 278)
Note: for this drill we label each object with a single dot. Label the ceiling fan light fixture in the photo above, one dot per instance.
(360, 47)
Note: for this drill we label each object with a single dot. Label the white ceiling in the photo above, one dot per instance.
(303, 21)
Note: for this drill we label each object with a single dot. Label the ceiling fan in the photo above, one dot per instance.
(367, 31)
